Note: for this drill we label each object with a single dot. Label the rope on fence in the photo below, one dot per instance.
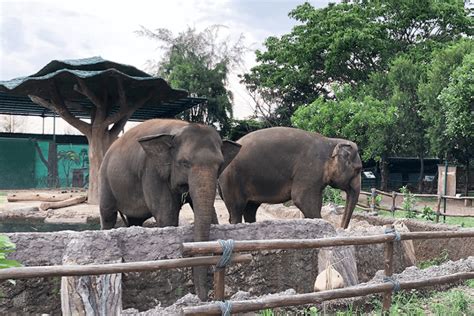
(226, 307)
(395, 282)
(227, 248)
(394, 232)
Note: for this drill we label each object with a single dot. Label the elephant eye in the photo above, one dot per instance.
(185, 163)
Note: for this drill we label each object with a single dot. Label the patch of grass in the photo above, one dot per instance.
(3, 197)
(470, 283)
(461, 221)
(442, 258)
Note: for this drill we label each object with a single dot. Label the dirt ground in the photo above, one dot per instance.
(85, 213)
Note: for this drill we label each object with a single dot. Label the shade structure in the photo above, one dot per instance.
(102, 76)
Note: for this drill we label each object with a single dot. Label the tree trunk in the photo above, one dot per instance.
(53, 180)
(466, 179)
(422, 174)
(98, 145)
(383, 174)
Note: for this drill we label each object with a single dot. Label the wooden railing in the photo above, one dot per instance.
(214, 247)
(318, 297)
(372, 204)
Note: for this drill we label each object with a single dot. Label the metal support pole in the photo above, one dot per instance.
(445, 187)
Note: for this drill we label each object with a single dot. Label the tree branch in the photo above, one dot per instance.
(115, 130)
(128, 111)
(63, 112)
(101, 106)
(40, 152)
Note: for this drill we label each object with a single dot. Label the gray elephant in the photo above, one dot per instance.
(146, 172)
(278, 164)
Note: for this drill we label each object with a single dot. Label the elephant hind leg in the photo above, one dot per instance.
(108, 208)
(250, 212)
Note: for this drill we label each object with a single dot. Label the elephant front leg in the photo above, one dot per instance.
(162, 203)
(309, 202)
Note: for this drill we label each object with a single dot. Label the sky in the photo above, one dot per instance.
(32, 33)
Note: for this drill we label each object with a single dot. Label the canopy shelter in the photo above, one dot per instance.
(107, 93)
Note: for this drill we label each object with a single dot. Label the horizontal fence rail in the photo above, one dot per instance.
(110, 268)
(449, 197)
(318, 297)
(205, 247)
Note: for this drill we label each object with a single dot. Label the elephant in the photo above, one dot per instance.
(279, 164)
(149, 168)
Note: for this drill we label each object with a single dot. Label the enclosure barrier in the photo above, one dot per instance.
(217, 247)
(390, 236)
(109, 268)
(319, 297)
(372, 205)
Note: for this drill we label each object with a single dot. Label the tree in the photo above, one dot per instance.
(457, 102)
(240, 128)
(200, 62)
(443, 62)
(404, 76)
(346, 43)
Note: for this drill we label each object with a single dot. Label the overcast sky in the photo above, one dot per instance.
(32, 33)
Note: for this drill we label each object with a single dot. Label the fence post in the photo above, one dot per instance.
(388, 269)
(373, 194)
(394, 203)
(219, 284)
(438, 208)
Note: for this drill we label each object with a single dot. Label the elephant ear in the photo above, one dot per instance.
(158, 147)
(230, 149)
(343, 150)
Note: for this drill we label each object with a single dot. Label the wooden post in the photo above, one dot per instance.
(91, 295)
(394, 203)
(388, 269)
(438, 208)
(219, 284)
(373, 194)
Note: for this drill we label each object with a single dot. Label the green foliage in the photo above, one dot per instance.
(442, 258)
(240, 128)
(458, 104)
(346, 44)
(6, 247)
(409, 201)
(443, 63)
(200, 62)
(351, 119)
(428, 213)
(332, 195)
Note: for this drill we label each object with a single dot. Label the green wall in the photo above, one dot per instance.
(22, 168)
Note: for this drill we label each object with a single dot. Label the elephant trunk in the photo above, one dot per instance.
(352, 196)
(202, 189)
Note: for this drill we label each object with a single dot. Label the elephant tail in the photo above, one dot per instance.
(125, 220)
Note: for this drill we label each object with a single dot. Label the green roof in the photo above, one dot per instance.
(99, 74)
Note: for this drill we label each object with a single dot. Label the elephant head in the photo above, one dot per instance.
(191, 160)
(344, 169)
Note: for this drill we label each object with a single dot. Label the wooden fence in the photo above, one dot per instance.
(214, 247)
(372, 204)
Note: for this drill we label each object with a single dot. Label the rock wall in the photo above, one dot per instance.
(268, 273)
(457, 248)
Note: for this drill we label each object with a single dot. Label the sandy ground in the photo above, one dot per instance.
(85, 213)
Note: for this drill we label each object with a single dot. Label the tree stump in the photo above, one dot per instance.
(92, 295)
